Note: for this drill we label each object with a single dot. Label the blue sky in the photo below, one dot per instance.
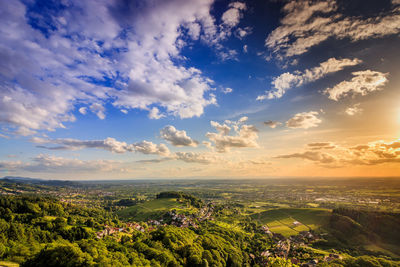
(136, 89)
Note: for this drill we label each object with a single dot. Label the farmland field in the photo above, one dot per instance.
(290, 221)
(151, 209)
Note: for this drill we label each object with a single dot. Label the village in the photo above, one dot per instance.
(290, 247)
(170, 218)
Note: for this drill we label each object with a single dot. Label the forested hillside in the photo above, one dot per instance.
(176, 228)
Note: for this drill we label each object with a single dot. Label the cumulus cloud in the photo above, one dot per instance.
(289, 80)
(109, 144)
(231, 17)
(83, 110)
(354, 110)
(321, 145)
(154, 113)
(304, 120)
(307, 24)
(53, 164)
(373, 153)
(363, 83)
(42, 71)
(228, 54)
(311, 155)
(246, 135)
(272, 124)
(191, 157)
(207, 144)
(24, 131)
(96, 52)
(229, 21)
(147, 147)
(227, 90)
(243, 32)
(176, 137)
(98, 109)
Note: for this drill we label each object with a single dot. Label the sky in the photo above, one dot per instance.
(119, 89)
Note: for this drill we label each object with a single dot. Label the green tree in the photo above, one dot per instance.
(67, 255)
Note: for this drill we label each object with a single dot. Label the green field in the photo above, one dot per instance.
(282, 220)
(152, 209)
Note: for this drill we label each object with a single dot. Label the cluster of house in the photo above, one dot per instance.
(266, 230)
(303, 238)
(205, 213)
(109, 230)
(10, 193)
(155, 222)
(332, 257)
(284, 245)
(282, 249)
(181, 220)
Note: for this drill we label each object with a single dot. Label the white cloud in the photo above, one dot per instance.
(373, 153)
(243, 32)
(307, 24)
(83, 110)
(194, 30)
(354, 110)
(363, 83)
(232, 16)
(10, 165)
(191, 157)
(153, 75)
(246, 135)
(228, 54)
(41, 77)
(311, 155)
(229, 21)
(53, 164)
(155, 114)
(227, 90)
(98, 109)
(272, 124)
(288, 80)
(176, 137)
(24, 131)
(221, 128)
(147, 147)
(47, 72)
(245, 49)
(207, 144)
(109, 144)
(304, 120)
(321, 145)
